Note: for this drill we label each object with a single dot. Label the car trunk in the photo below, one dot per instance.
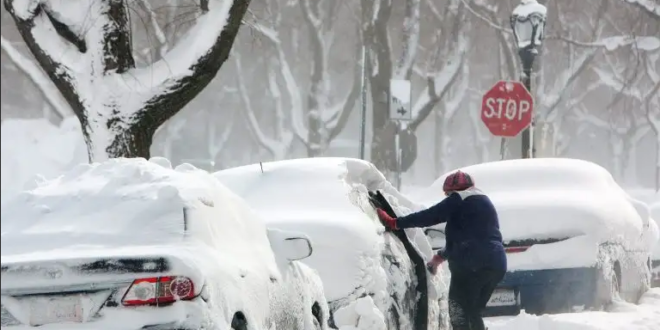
(74, 287)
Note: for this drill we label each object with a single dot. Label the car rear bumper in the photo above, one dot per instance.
(188, 315)
(549, 290)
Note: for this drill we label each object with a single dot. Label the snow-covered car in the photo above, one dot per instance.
(135, 244)
(574, 239)
(369, 276)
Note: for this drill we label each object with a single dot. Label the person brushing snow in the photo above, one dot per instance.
(474, 249)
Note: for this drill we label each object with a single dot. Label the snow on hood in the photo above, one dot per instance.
(326, 198)
(552, 197)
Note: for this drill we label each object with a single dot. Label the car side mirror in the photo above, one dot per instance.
(290, 245)
(436, 237)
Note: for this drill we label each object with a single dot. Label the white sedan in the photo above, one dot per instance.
(135, 244)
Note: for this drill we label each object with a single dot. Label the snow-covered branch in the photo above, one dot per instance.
(163, 43)
(648, 43)
(38, 78)
(276, 148)
(340, 113)
(452, 51)
(293, 90)
(410, 35)
(651, 7)
(215, 144)
(85, 48)
(563, 82)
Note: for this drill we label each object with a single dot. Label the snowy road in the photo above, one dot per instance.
(623, 316)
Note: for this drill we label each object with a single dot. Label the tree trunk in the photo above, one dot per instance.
(376, 38)
(657, 163)
(118, 108)
(134, 141)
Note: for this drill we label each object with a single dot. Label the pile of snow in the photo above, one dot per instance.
(622, 316)
(117, 204)
(557, 198)
(35, 146)
(327, 199)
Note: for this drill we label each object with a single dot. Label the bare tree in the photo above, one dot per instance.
(315, 118)
(652, 104)
(279, 145)
(88, 54)
(640, 112)
(39, 79)
(651, 7)
(442, 69)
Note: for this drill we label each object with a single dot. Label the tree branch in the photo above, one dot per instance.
(438, 84)
(43, 84)
(117, 48)
(647, 6)
(191, 65)
(569, 77)
(349, 102)
(56, 57)
(163, 45)
(253, 124)
(410, 40)
(293, 90)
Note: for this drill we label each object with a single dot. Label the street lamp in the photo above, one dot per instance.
(528, 24)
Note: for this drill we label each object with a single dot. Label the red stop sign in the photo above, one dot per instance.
(507, 108)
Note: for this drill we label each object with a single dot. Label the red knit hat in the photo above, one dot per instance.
(457, 181)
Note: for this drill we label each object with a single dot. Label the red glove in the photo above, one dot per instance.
(435, 262)
(387, 220)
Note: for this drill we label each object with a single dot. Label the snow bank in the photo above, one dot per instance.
(326, 198)
(35, 146)
(623, 316)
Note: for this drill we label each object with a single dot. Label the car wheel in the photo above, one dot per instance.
(615, 282)
(317, 316)
(239, 322)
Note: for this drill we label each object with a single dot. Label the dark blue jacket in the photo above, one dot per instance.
(472, 231)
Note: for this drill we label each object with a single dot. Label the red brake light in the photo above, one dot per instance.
(516, 249)
(159, 290)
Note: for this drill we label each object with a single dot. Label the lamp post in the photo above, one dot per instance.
(528, 24)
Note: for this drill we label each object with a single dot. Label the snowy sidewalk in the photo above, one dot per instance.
(623, 316)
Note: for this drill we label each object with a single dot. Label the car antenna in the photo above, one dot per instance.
(262, 167)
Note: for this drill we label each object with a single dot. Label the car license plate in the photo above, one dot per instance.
(45, 310)
(502, 297)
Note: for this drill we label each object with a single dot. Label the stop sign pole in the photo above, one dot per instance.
(507, 109)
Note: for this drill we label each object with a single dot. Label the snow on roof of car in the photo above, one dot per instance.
(551, 197)
(118, 203)
(327, 199)
(537, 173)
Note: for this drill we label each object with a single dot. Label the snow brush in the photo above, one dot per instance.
(421, 317)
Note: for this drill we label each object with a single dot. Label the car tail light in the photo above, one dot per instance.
(516, 249)
(159, 290)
